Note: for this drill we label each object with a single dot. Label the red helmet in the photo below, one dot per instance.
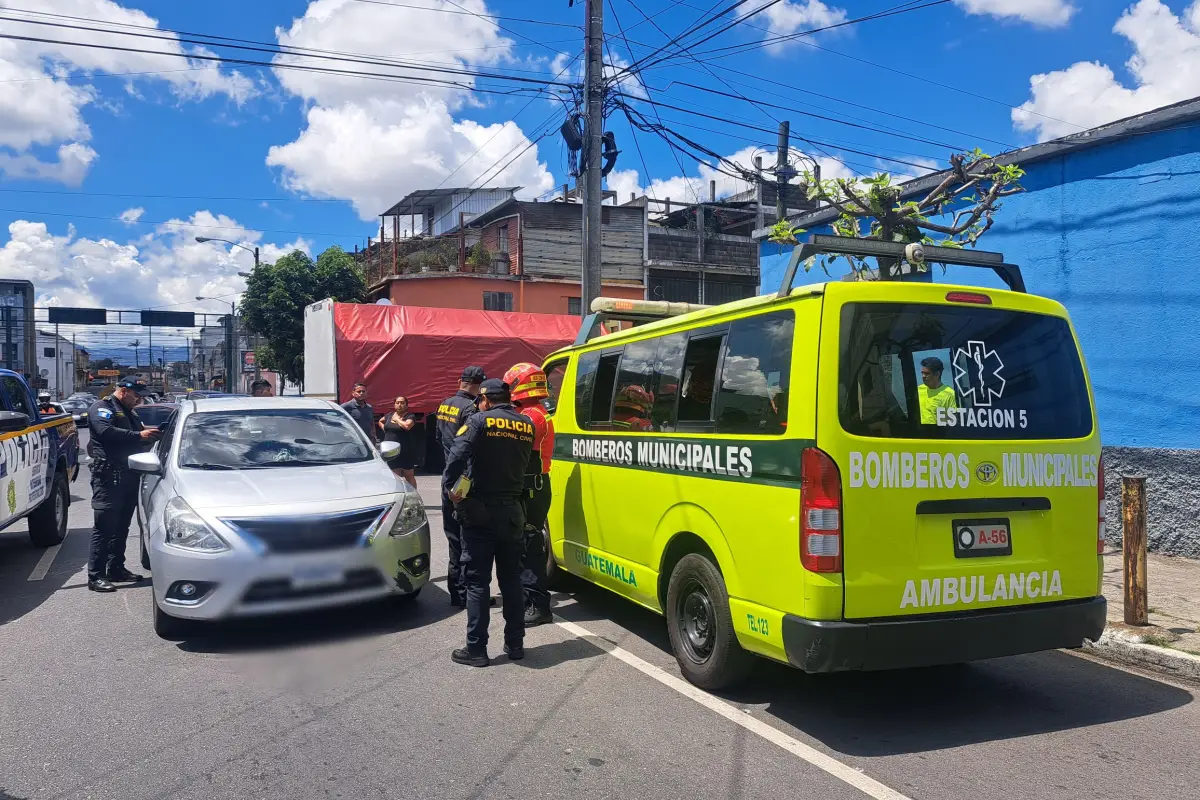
(527, 382)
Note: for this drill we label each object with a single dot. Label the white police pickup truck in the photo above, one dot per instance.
(39, 457)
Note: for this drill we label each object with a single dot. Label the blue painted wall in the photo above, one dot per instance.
(1113, 233)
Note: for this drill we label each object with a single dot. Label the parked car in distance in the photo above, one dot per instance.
(267, 505)
(155, 415)
(77, 408)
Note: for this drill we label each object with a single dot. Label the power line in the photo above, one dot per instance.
(175, 224)
(888, 68)
(143, 196)
(277, 50)
(411, 79)
(700, 24)
(795, 136)
(469, 13)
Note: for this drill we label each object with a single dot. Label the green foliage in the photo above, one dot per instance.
(784, 232)
(277, 294)
(480, 258)
(955, 213)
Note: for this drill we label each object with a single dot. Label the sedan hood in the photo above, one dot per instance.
(275, 485)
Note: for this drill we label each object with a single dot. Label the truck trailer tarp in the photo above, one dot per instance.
(421, 352)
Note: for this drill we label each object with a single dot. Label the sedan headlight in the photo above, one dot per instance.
(411, 516)
(186, 529)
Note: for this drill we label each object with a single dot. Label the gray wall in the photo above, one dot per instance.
(1172, 496)
(552, 241)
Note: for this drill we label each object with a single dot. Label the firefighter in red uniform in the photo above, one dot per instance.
(529, 387)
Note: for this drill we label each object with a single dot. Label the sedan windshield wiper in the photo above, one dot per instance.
(208, 466)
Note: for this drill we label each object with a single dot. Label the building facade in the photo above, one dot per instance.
(1108, 225)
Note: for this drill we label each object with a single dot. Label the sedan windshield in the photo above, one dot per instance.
(270, 438)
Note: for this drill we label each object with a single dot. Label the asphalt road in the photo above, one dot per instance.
(365, 703)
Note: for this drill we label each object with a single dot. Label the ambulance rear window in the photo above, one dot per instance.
(914, 371)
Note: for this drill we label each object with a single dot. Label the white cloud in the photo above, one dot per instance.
(1047, 13)
(74, 161)
(166, 267)
(42, 96)
(131, 215)
(1165, 66)
(686, 189)
(372, 142)
(789, 17)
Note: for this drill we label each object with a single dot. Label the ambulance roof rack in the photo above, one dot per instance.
(616, 309)
(821, 244)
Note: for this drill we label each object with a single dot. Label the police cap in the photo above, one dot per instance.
(495, 390)
(473, 375)
(136, 385)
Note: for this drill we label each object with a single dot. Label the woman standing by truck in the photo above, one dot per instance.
(399, 426)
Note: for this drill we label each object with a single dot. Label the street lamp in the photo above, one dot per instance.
(254, 250)
(230, 339)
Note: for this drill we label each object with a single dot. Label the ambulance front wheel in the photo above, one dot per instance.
(701, 627)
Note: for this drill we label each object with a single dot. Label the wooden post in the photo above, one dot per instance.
(1133, 518)
(462, 241)
(395, 241)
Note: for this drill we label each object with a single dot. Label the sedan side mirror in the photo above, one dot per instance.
(13, 421)
(389, 449)
(145, 463)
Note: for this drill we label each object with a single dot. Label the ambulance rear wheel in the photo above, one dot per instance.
(701, 627)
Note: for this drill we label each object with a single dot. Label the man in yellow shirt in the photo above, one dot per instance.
(932, 393)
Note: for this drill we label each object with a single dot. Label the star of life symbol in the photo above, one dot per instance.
(977, 373)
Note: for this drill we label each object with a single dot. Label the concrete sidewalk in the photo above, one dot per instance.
(1171, 643)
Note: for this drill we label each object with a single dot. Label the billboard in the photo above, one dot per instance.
(249, 361)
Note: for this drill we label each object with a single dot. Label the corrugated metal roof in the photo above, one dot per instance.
(426, 197)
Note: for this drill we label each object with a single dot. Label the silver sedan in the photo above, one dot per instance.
(253, 506)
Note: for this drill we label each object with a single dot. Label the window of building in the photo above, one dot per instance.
(497, 301)
(47, 352)
(699, 378)
(575, 306)
(753, 396)
(594, 385)
(502, 240)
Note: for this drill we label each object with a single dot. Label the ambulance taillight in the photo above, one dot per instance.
(820, 512)
(1100, 524)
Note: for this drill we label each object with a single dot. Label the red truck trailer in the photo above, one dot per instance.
(419, 352)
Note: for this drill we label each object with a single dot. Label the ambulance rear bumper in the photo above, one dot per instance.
(819, 646)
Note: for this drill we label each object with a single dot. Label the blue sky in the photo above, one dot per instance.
(287, 158)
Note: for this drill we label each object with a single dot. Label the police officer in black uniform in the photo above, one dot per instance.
(452, 414)
(494, 447)
(117, 433)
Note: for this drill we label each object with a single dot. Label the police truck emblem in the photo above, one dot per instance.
(12, 497)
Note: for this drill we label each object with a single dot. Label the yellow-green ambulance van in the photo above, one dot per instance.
(846, 476)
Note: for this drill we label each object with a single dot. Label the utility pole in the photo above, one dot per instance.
(593, 193)
(782, 171)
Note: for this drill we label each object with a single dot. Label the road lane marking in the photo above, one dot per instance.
(827, 764)
(43, 564)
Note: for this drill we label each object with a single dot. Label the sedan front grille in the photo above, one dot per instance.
(309, 533)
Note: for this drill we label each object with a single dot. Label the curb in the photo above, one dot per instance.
(1123, 646)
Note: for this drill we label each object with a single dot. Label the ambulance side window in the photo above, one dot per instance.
(668, 373)
(753, 397)
(554, 381)
(633, 402)
(594, 387)
(696, 392)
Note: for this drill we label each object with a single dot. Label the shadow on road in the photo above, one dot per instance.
(302, 629)
(18, 558)
(917, 710)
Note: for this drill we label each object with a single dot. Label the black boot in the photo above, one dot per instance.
(515, 652)
(464, 655)
(536, 615)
